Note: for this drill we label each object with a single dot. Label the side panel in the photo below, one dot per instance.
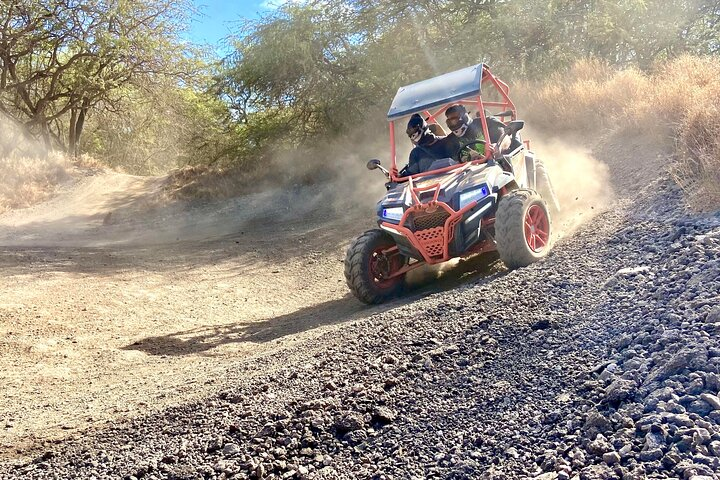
(517, 160)
(530, 166)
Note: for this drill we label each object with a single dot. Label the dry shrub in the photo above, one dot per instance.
(29, 173)
(679, 100)
(687, 98)
(29, 180)
(589, 96)
(698, 145)
(89, 163)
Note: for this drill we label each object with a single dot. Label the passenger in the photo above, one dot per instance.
(467, 131)
(428, 146)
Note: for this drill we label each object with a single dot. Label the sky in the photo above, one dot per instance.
(219, 18)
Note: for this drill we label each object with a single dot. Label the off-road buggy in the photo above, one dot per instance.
(501, 201)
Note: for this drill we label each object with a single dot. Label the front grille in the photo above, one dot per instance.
(426, 221)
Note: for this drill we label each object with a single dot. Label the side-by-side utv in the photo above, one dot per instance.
(500, 200)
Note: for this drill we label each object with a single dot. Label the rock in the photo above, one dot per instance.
(390, 359)
(714, 448)
(356, 436)
(700, 437)
(215, 443)
(685, 443)
(611, 458)
(713, 316)
(653, 441)
(350, 422)
(696, 387)
(619, 390)
(597, 421)
(712, 382)
(681, 420)
(651, 455)
(676, 364)
(383, 415)
(670, 460)
(711, 400)
(541, 324)
(599, 446)
(597, 472)
(230, 449)
(700, 407)
(625, 451)
(660, 395)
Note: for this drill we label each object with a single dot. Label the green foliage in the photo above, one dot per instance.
(307, 74)
(159, 127)
(327, 66)
(61, 58)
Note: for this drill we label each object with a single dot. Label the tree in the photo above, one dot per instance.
(61, 58)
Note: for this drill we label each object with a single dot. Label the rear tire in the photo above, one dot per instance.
(366, 266)
(522, 228)
(544, 187)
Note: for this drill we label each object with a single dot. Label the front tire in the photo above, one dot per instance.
(522, 228)
(368, 266)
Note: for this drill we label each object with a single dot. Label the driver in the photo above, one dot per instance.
(467, 131)
(428, 146)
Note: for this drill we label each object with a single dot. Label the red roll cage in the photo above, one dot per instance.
(431, 114)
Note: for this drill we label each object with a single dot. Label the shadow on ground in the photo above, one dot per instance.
(204, 339)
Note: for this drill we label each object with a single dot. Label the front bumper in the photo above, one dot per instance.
(434, 232)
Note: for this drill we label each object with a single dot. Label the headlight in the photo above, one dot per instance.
(393, 213)
(473, 195)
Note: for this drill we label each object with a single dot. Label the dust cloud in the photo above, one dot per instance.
(327, 185)
(335, 174)
(582, 183)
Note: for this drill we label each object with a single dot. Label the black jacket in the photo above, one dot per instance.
(474, 131)
(430, 149)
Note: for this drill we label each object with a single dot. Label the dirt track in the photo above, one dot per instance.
(115, 303)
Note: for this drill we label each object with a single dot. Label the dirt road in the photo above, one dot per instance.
(115, 303)
(602, 361)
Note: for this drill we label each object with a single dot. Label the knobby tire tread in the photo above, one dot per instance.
(509, 229)
(355, 267)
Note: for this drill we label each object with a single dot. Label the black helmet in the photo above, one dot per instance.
(417, 127)
(459, 119)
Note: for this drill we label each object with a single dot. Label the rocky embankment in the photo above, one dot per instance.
(603, 361)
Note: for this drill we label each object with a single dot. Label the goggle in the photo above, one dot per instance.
(415, 134)
(454, 123)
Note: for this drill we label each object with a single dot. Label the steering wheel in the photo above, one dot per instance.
(466, 146)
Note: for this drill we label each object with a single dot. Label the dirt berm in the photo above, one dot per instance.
(237, 353)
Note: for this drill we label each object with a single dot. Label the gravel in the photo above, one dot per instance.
(602, 361)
